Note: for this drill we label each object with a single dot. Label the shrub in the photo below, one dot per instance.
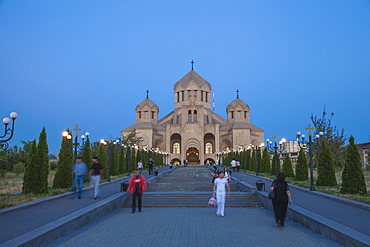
(19, 168)
(325, 167)
(353, 180)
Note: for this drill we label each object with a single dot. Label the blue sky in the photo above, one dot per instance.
(89, 63)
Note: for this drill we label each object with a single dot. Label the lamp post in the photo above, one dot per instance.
(275, 148)
(308, 145)
(76, 146)
(8, 131)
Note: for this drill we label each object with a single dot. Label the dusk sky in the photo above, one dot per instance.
(90, 63)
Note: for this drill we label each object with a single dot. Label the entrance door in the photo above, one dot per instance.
(192, 155)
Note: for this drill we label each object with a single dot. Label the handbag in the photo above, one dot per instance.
(272, 194)
(212, 202)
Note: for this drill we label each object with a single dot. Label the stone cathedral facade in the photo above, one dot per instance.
(192, 130)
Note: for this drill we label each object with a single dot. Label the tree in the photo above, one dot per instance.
(29, 181)
(122, 161)
(131, 139)
(19, 168)
(275, 168)
(114, 160)
(63, 175)
(42, 163)
(353, 180)
(252, 166)
(103, 158)
(2, 164)
(86, 153)
(248, 160)
(325, 167)
(265, 162)
(287, 167)
(335, 139)
(301, 170)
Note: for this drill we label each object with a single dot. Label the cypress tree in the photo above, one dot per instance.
(253, 161)
(86, 154)
(275, 162)
(29, 181)
(114, 160)
(103, 158)
(248, 159)
(301, 170)
(325, 167)
(63, 175)
(122, 160)
(42, 164)
(265, 162)
(353, 180)
(287, 167)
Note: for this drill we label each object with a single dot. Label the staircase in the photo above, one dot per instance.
(190, 187)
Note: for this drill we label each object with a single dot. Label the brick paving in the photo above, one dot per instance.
(192, 227)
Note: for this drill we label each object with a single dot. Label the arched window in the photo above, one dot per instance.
(176, 148)
(189, 116)
(209, 148)
(195, 116)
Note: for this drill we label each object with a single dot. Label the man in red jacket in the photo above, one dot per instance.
(137, 186)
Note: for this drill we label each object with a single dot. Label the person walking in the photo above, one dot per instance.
(140, 165)
(136, 187)
(233, 164)
(150, 166)
(96, 172)
(282, 198)
(215, 173)
(221, 189)
(79, 172)
(237, 164)
(227, 174)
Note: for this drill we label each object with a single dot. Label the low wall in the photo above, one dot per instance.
(321, 225)
(67, 224)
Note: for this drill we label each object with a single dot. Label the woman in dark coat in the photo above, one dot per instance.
(282, 198)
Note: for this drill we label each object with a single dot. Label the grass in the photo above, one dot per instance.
(12, 183)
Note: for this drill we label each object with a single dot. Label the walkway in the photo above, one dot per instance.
(180, 226)
(354, 217)
(18, 222)
(192, 227)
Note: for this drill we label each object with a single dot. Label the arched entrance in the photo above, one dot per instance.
(192, 155)
(176, 162)
(209, 162)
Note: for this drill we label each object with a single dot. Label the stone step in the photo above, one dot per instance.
(186, 186)
(236, 199)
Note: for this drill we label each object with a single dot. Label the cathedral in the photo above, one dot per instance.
(192, 131)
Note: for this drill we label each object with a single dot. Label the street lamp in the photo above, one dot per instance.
(308, 145)
(8, 131)
(76, 146)
(275, 148)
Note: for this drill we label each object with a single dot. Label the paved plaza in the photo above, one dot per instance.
(192, 227)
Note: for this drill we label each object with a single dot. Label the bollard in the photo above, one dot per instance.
(260, 185)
